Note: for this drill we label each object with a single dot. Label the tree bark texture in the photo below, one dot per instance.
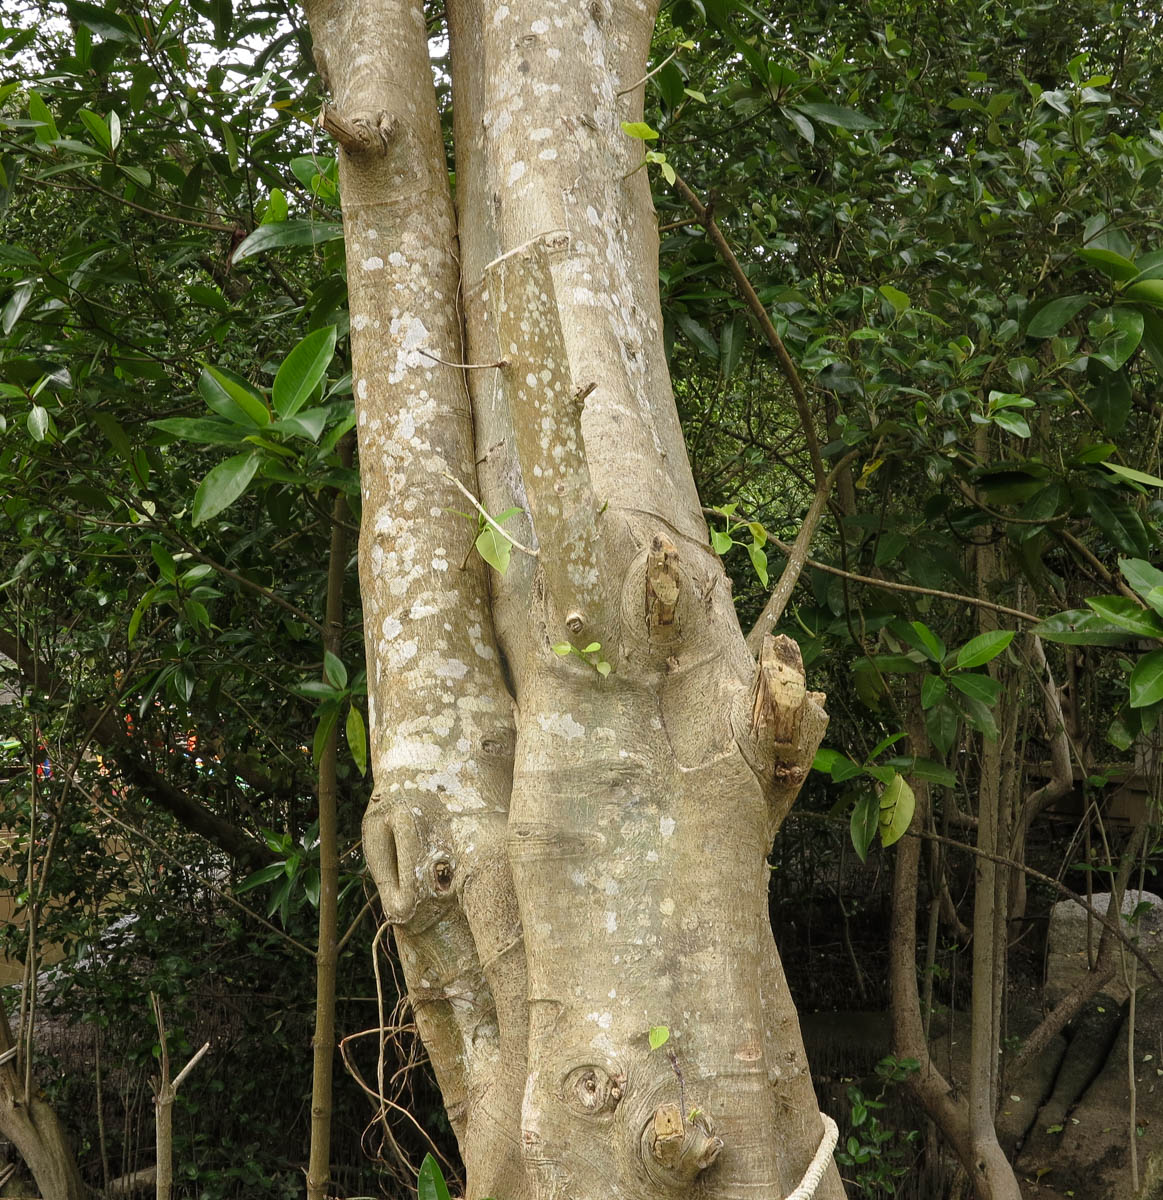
(568, 857)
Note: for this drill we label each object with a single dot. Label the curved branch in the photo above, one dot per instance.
(759, 312)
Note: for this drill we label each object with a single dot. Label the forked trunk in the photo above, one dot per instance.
(579, 766)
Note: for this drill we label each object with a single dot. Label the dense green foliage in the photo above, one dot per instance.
(950, 213)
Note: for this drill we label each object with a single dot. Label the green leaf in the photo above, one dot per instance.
(933, 690)
(39, 111)
(561, 649)
(700, 335)
(308, 424)
(1143, 577)
(283, 234)
(1127, 333)
(721, 541)
(923, 768)
(1124, 728)
(139, 175)
(1136, 476)
(318, 689)
(602, 668)
(897, 804)
(1113, 266)
(243, 398)
(201, 429)
(834, 114)
(883, 745)
(494, 548)
(1128, 615)
(1050, 318)
(982, 648)
(430, 1183)
(731, 342)
(16, 304)
(328, 717)
(165, 562)
(97, 129)
(863, 824)
(928, 642)
(263, 875)
(838, 765)
(977, 687)
(659, 1036)
(357, 738)
(276, 206)
(1110, 402)
(1148, 291)
(1146, 682)
(1119, 522)
(895, 297)
(101, 20)
(223, 485)
(941, 723)
(802, 125)
(1080, 627)
(38, 422)
(114, 435)
(758, 561)
(639, 130)
(333, 670)
(302, 371)
(1012, 422)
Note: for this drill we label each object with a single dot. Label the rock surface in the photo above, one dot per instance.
(1072, 940)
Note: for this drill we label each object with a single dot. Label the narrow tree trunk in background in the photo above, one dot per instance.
(988, 1170)
(323, 1043)
(991, 1167)
(570, 843)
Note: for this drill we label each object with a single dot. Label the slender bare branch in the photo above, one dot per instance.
(769, 330)
(789, 576)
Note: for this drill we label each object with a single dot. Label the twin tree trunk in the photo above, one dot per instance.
(568, 858)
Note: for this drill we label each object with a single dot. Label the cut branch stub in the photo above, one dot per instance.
(680, 1148)
(779, 696)
(662, 583)
(547, 431)
(779, 724)
(362, 134)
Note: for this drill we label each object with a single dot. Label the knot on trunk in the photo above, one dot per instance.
(676, 1150)
(369, 133)
(414, 870)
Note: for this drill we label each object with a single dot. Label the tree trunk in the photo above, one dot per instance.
(579, 767)
(32, 1127)
(327, 949)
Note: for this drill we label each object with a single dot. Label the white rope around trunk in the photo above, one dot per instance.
(819, 1164)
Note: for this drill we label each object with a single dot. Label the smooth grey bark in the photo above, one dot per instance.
(568, 857)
